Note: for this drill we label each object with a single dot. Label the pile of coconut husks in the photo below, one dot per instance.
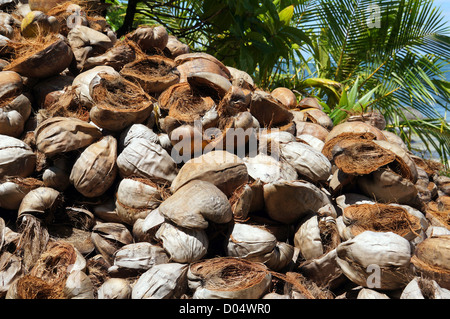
(134, 168)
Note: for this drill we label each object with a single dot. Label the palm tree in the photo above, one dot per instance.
(398, 50)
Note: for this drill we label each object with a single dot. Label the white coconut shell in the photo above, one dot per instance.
(16, 157)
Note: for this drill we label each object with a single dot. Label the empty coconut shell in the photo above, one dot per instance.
(153, 73)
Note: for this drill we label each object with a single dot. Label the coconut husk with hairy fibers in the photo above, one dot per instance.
(153, 73)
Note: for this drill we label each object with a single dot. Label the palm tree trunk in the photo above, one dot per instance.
(127, 25)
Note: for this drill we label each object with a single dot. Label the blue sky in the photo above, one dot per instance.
(445, 6)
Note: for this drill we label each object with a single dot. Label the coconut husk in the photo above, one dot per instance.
(153, 73)
(123, 52)
(97, 270)
(11, 269)
(118, 103)
(431, 259)
(438, 212)
(41, 57)
(95, 169)
(65, 11)
(14, 114)
(31, 287)
(207, 204)
(268, 111)
(315, 116)
(241, 201)
(151, 39)
(109, 237)
(137, 197)
(44, 5)
(37, 23)
(176, 47)
(184, 104)
(16, 158)
(373, 118)
(11, 85)
(241, 79)
(348, 130)
(228, 278)
(386, 186)
(65, 103)
(360, 156)
(181, 244)
(388, 252)
(309, 102)
(63, 134)
(216, 85)
(33, 240)
(221, 168)
(381, 218)
(313, 129)
(200, 62)
(13, 190)
(145, 159)
(285, 96)
(235, 101)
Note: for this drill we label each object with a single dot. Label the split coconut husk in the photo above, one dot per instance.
(228, 278)
(184, 104)
(268, 111)
(381, 218)
(11, 270)
(16, 158)
(214, 84)
(57, 175)
(62, 134)
(207, 203)
(42, 202)
(431, 259)
(346, 130)
(11, 84)
(221, 168)
(153, 73)
(438, 212)
(309, 102)
(68, 12)
(241, 79)
(118, 103)
(37, 23)
(382, 253)
(95, 169)
(42, 57)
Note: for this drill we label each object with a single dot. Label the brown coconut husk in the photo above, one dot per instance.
(329, 145)
(31, 287)
(33, 240)
(381, 218)
(67, 105)
(119, 103)
(227, 273)
(184, 104)
(153, 73)
(430, 259)
(41, 56)
(360, 156)
(438, 212)
(53, 265)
